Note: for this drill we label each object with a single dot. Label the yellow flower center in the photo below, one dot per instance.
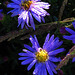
(26, 4)
(42, 55)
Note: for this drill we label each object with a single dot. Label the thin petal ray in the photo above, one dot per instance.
(26, 61)
(31, 65)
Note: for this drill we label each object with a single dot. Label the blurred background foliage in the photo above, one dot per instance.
(9, 63)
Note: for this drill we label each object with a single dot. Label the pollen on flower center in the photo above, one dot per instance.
(26, 4)
(42, 56)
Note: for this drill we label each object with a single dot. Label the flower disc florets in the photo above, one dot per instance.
(26, 4)
(42, 55)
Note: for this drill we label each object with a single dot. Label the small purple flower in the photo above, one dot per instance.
(60, 72)
(44, 57)
(1, 15)
(27, 9)
(72, 32)
(62, 30)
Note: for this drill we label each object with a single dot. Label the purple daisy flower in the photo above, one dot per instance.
(27, 9)
(44, 57)
(71, 37)
(72, 32)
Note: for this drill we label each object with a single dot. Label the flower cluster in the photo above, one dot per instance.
(44, 57)
(28, 8)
